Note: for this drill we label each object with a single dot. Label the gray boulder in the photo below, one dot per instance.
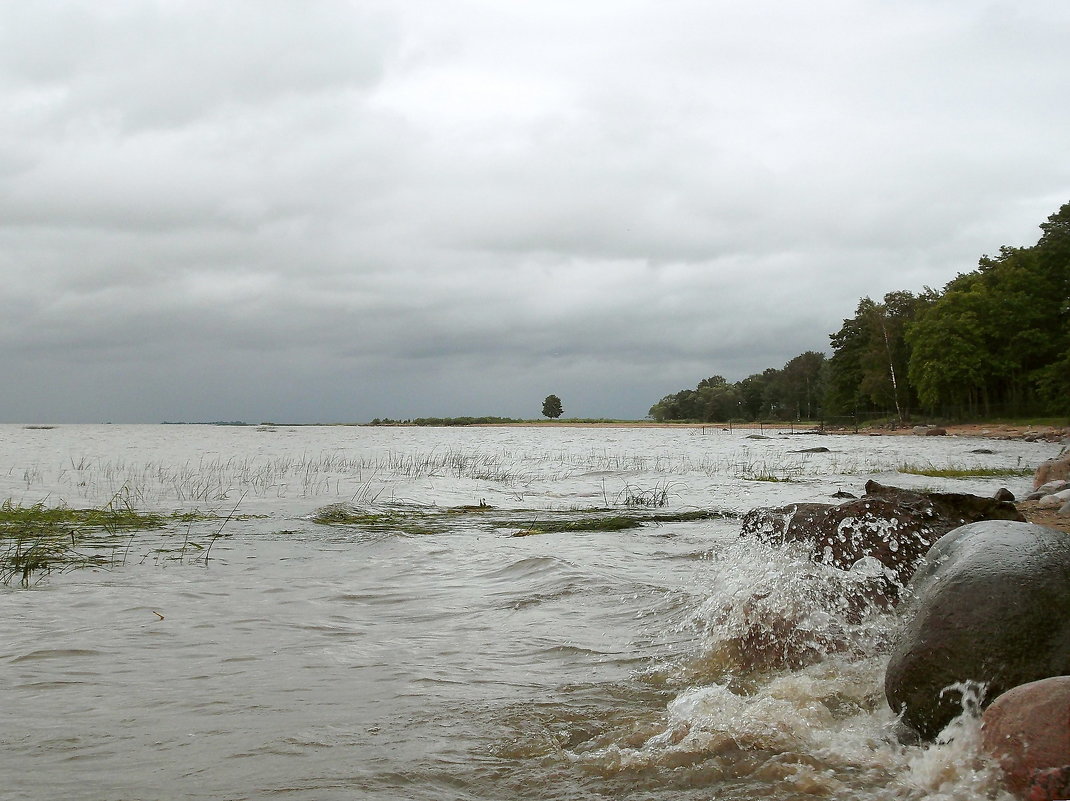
(1045, 490)
(990, 609)
(1056, 499)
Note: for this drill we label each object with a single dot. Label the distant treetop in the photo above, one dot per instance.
(551, 407)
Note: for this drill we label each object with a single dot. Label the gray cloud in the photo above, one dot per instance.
(340, 210)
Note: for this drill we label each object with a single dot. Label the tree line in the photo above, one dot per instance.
(993, 342)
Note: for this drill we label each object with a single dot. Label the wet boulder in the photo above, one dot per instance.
(893, 525)
(989, 609)
(1027, 730)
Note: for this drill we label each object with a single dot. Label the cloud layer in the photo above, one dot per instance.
(333, 211)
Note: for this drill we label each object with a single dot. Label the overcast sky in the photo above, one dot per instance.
(308, 211)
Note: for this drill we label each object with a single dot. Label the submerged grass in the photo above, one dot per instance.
(39, 539)
(413, 521)
(763, 472)
(606, 523)
(964, 472)
(612, 522)
(658, 495)
(361, 477)
(418, 521)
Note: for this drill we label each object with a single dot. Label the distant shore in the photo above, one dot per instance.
(985, 430)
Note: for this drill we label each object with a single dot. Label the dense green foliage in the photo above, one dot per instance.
(551, 407)
(993, 342)
(998, 339)
(792, 392)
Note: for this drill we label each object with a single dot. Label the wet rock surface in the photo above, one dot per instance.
(893, 525)
(1027, 730)
(989, 607)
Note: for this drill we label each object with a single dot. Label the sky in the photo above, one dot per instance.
(327, 211)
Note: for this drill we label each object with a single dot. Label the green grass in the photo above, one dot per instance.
(764, 473)
(607, 523)
(16, 519)
(769, 477)
(432, 520)
(964, 472)
(610, 522)
(415, 522)
(39, 539)
(658, 495)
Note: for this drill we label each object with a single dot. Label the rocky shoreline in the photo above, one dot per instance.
(982, 593)
(1034, 513)
(1032, 510)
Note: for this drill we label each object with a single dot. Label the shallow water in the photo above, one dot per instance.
(305, 661)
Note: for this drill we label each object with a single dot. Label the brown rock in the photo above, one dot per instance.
(1027, 730)
(1052, 470)
(893, 525)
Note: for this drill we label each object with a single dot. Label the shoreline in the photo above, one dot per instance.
(1030, 510)
(979, 430)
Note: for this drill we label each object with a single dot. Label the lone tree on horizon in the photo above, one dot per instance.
(551, 407)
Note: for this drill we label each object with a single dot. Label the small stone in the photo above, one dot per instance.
(1051, 486)
(1004, 494)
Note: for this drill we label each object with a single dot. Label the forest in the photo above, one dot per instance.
(993, 343)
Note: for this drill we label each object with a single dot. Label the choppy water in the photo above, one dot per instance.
(454, 661)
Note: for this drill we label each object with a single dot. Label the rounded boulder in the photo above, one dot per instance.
(988, 610)
(1057, 469)
(1027, 730)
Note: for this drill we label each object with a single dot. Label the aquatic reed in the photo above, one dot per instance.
(40, 539)
(962, 471)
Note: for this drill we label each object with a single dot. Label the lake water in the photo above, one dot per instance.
(426, 653)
